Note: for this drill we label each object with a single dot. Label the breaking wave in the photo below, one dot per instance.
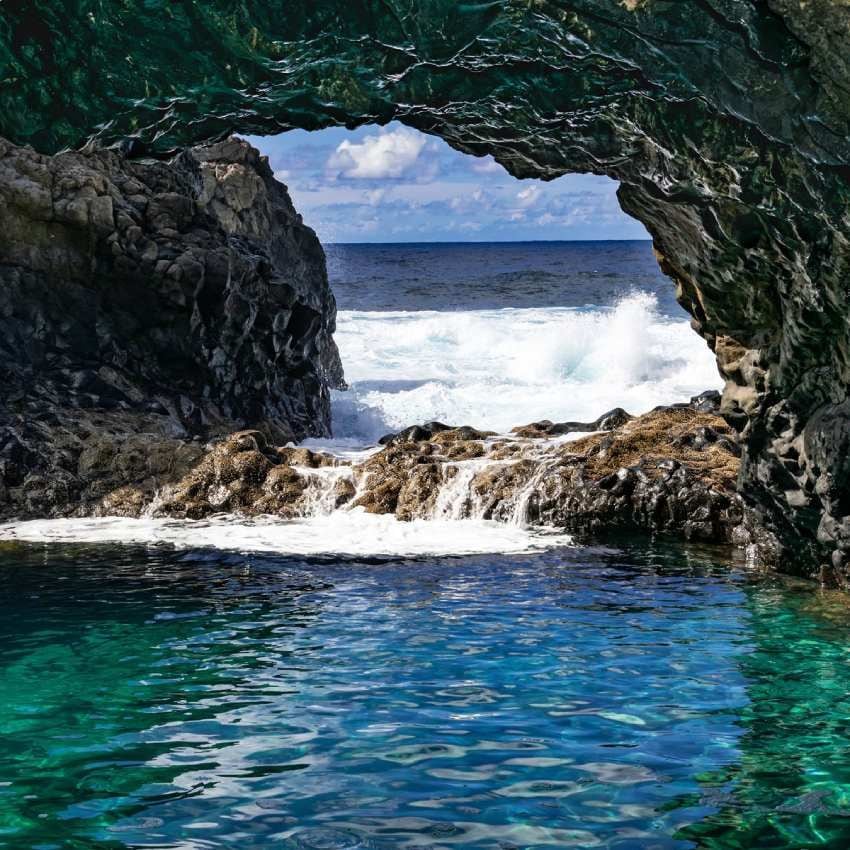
(500, 368)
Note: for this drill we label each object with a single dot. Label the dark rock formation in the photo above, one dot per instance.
(546, 428)
(726, 121)
(669, 471)
(145, 302)
(429, 431)
(707, 402)
(672, 470)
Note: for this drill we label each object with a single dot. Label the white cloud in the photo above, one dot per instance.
(487, 165)
(529, 196)
(389, 154)
(468, 203)
(366, 225)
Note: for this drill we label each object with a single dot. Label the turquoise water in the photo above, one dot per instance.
(638, 697)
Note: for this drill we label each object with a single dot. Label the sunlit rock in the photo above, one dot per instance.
(726, 123)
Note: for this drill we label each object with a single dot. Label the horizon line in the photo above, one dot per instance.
(487, 241)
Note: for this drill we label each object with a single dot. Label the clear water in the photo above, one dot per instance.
(631, 697)
(496, 335)
(637, 697)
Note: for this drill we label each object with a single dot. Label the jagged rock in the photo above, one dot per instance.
(707, 402)
(654, 473)
(343, 492)
(672, 470)
(465, 450)
(726, 123)
(608, 421)
(464, 433)
(386, 474)
(67, 460)
(144, 303)
(235, 476)
(299, 456)
(436, 431)
(414, 433)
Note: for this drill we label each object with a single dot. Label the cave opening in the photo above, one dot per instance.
(470, 297)
(726, 125)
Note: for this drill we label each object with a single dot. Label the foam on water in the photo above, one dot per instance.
(500, 368)
(350, 533)
(491, 368)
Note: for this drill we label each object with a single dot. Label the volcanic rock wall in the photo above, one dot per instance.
(179, 299)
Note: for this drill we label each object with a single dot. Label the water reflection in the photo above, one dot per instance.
(637, 697)
(791, 785)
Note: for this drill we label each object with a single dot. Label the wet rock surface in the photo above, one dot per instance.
(146, 304)
(727, 124)
(546, 428)
(670, 471)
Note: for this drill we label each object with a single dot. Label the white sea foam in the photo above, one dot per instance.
(490, 368)
(500, 368)
(349, 533)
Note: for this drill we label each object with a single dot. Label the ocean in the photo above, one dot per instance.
(348, 680)
(496, 335)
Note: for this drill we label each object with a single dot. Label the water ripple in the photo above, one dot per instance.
(637, 698)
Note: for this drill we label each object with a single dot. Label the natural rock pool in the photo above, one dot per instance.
(638, 696)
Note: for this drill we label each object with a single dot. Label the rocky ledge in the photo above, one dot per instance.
(146, 307)
(671, 470)
(726, 123)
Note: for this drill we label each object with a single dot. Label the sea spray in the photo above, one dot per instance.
(349, 533)
(497, 369)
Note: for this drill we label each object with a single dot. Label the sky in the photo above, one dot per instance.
(395, 184)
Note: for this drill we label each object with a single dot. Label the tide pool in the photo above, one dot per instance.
(637, 696)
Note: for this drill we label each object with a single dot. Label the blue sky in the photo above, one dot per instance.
(394, 184)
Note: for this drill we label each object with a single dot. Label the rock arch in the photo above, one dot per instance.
(726, 122)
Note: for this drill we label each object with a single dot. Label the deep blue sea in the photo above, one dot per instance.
(495, 275)
(496, 335)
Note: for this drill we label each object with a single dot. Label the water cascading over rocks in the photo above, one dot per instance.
(726, 122)
(671, 470)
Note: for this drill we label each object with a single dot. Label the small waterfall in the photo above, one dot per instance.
(321, 493)
(521, 514)
(456, 499)
(546, 459)
(156, 503)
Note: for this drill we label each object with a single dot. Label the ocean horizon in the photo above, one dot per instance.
(495, 335)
